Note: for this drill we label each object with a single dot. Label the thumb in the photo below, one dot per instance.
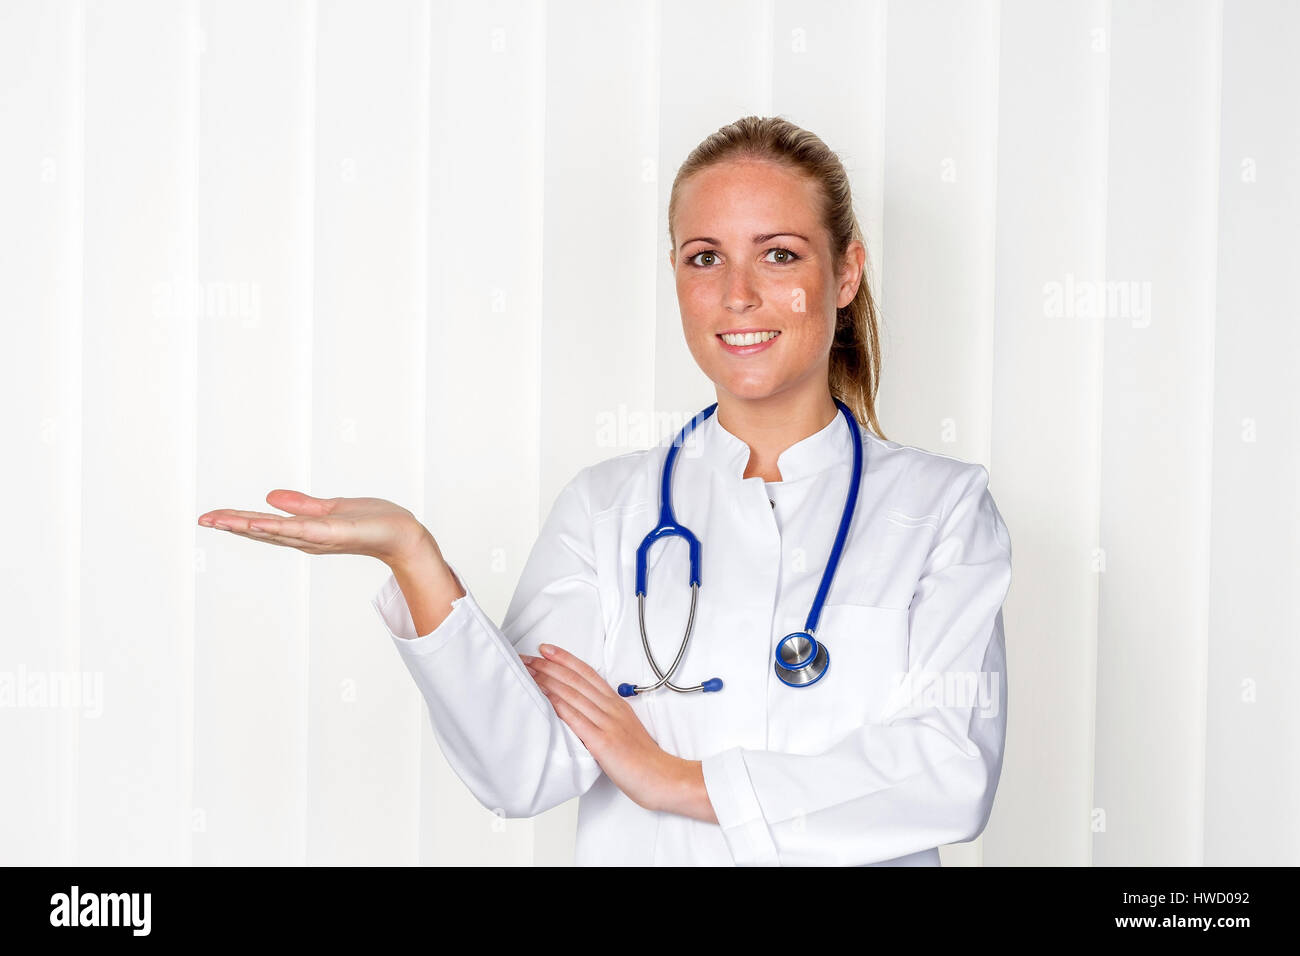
(297, 503)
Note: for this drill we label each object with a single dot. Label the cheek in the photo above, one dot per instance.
(692, 292)
(799, 303)
(697, 319)
(808, 342)
(804, 295)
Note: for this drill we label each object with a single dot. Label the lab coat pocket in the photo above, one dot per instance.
(868, 652)
(899, 545)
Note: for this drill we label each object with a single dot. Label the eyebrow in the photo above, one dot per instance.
(761, 237)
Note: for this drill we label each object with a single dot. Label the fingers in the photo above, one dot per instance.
(278, 529)
(278, 539)
(559, 655)
(294, 502)
(231, 520)
(577, 721)
(228, 516)
(313, 530)
(572, 676)
(565, 686)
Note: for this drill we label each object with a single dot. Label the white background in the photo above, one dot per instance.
(430, 244)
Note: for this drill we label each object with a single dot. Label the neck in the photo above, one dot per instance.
(771, 425)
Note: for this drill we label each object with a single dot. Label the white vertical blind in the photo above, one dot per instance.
(418, 250)
(602, 249)
(1156, 436)
(1252, 726)
(255, 637)
(1053, 69)
(485, 253)
(137, 623)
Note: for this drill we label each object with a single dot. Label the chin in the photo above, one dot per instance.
(749, 391)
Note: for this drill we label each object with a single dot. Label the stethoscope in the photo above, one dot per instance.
(801, 659)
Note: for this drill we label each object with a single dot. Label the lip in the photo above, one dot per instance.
(748, 349)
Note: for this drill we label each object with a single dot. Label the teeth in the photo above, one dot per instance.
(749, 338)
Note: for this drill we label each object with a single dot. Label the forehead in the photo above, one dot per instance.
(740, 197)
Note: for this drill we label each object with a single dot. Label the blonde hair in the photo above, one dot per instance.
(854, 374)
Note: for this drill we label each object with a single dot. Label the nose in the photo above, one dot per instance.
(740, 293)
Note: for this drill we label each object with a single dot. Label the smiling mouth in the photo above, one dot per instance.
(740, 339)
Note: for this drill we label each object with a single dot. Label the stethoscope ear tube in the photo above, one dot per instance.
(708, 686)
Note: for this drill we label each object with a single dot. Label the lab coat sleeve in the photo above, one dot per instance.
(497, 730)
(923, 776)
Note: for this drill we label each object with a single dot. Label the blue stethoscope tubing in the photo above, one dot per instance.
(801, 660)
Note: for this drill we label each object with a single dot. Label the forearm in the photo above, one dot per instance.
(427, 584)
(496, 729)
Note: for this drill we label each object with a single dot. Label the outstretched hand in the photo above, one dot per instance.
(368, 526)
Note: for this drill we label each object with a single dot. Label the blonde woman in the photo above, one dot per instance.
(825, 682)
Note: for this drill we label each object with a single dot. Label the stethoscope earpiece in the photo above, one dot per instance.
(709, 686)
(801, 659)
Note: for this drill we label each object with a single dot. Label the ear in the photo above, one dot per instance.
(855, 257)
(672, 259)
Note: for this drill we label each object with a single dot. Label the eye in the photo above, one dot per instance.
(706, 252)
(789, 256)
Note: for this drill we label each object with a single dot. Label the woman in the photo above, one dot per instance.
(896, 748)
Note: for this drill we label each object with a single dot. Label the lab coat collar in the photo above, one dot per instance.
(826, 448)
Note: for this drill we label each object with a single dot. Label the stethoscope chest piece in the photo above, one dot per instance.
(801, 659)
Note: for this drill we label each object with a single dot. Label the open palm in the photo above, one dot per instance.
(369, 526)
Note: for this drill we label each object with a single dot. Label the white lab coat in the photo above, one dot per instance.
(858, 768)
